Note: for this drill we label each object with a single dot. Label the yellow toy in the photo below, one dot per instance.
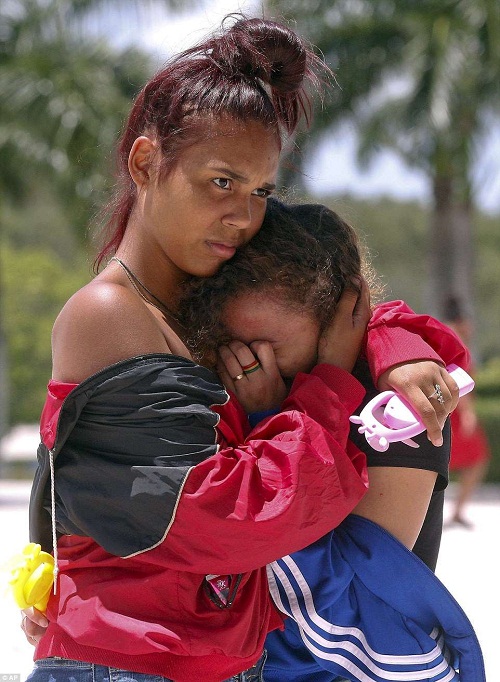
(32, 577)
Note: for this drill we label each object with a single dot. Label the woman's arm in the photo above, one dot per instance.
(139, 435)
(295, 476)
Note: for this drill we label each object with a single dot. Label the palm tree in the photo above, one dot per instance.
(64, 93)
(63, 98)
(422, 78)
(62, 101)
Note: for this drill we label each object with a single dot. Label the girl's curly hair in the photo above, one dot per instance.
(304, 254)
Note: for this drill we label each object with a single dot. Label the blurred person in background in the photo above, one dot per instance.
(470, 450)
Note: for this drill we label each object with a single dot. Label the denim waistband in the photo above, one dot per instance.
(65, 670)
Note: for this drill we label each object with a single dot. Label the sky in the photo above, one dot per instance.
(333, 169)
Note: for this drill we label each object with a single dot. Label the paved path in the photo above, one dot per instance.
(469, 565)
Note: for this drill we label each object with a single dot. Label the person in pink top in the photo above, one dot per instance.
(470, 449)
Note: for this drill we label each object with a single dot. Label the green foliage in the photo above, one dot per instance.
(396, 236)
(488, 379)
(65, 95)
(488, 410)
(487, 401)
(422, 79)
(36, 283)
(42, 221)
(437, 61)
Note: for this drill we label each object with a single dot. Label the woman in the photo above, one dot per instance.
(133, 493)
(198, 159)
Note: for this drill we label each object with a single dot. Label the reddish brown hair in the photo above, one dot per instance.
(256, 69)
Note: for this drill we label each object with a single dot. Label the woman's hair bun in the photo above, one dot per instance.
(264, 49)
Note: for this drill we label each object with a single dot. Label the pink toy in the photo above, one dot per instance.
(389, 418)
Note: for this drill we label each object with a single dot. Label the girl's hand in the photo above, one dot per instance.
(261, 387)
(33, 624)
(340, 344)
(415, 382)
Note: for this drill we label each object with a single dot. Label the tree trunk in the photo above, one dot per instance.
(451, 251)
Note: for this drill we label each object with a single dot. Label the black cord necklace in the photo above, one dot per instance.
(136, 283)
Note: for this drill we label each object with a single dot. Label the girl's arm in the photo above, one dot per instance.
(407, 352)
(397, 334)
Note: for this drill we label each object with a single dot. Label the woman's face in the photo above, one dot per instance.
(214, 198)
(293, 334)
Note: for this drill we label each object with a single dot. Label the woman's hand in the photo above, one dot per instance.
(415, 382)
(340, 344)
(259, 388)
(33, 624)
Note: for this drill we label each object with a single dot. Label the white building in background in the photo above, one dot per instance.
(18, 451)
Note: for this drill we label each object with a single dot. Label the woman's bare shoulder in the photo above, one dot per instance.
(101, 324)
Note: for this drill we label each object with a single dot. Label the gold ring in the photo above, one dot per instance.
(238, 377)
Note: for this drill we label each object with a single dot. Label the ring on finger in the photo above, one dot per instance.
(238, 377)
(438, 394)
(252, 367)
